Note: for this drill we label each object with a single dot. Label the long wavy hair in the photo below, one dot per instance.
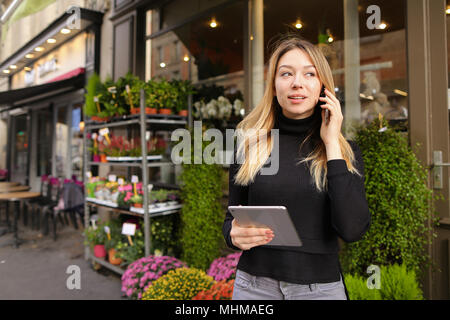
(255, 141)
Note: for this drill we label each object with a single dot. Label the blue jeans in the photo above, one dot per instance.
(249, 287)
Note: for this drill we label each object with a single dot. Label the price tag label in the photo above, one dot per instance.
(104, 131)
(121, 182)
(100, 138)
(89, 174)
(94, 136)
(112, 178)
(107, 229)
(147, 135)
(129, 229)
(112, 89)
(95, 99)
(134, 179)
(127, 87)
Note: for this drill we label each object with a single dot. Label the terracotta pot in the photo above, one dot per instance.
(98, 119)
(183, 113)
(112, 257)
(151, 111)
(96, 158)
(103, 158)
(99, 251)
(165, 111)
(137, 205)
(135, 110)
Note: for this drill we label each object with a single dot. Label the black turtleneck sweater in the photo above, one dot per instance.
(320, 217)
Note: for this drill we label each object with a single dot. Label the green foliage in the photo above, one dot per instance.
(135, 85)
(115, 227)
(201, 215)
(93, 87)
(357, 288)
(396, 283)
(163, 235)
(94, 236)
(399, 202)
(182, 89)
(179, 284)
(130, 253)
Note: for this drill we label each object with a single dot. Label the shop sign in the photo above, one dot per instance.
(29, 77)
(47, 67)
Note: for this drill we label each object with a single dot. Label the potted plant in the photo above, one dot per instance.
(102, 149)
(163, 96)
(184, 89)
(132, 95)
(95, 238)
(160, 196)
(110, 244)
(137, 201)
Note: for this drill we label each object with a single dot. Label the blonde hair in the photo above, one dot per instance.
(259, 122)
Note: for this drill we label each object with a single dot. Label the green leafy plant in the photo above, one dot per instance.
(201, 215)
(130, 253)
(115, 227)
(179, 284)
(183, 89)
(137, 199)
(135, 85)
(163, 235)
(399, 201)
(94, 236)
(93, 88)
(396, 283)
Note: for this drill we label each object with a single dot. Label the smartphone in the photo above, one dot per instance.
(323, 95)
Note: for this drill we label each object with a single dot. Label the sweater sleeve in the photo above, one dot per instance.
(350, 215)
(238, 195)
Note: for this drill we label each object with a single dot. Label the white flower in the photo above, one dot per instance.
(237, 106)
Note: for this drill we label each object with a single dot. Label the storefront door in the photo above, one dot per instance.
(19, 148)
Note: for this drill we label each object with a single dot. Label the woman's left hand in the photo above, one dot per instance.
(331, 129)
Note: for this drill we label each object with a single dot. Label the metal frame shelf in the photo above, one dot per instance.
(146, 122)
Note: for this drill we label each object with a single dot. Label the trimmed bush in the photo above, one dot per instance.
(179, 284)
(202, 214)
(396, 283)
(399, 202)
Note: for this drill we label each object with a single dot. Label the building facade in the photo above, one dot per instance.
(388, 57)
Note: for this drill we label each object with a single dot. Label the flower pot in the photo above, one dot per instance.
(112, 257)
(183, 113)
(135, 110)
(151, 111)
(96, 158)
(99, 119)
(99, 251)
(103, 158)
(137, 205)
(165, 111)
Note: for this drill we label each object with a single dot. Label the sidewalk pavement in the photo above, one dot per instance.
(37, 269)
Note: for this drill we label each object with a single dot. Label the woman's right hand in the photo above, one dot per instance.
(246, 238)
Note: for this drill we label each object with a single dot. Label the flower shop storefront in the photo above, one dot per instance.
(43, 106)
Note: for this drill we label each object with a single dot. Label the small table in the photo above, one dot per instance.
(14, 189)
(8, 184)
(16, 197)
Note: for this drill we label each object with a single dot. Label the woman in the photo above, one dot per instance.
(320, 180)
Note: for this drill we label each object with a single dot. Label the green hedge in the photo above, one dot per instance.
(399, 201)
(396, 283)
(202, 214)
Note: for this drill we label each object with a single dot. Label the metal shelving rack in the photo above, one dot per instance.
(144, 122)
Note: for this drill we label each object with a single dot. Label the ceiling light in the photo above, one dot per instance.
(6, 71)
(330, 39)
(51, 40)
(382, 26)
(400, 92)
(65, 31)
(27, 69)
(448, 10)
(162, 65)
(39, 49)
(298, 24)
(213, 23)
(13, 66)
(29, 56)
(186, 58)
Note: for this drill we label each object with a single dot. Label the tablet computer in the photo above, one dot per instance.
(276, 218)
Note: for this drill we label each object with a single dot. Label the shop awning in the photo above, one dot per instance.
(20, 97)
